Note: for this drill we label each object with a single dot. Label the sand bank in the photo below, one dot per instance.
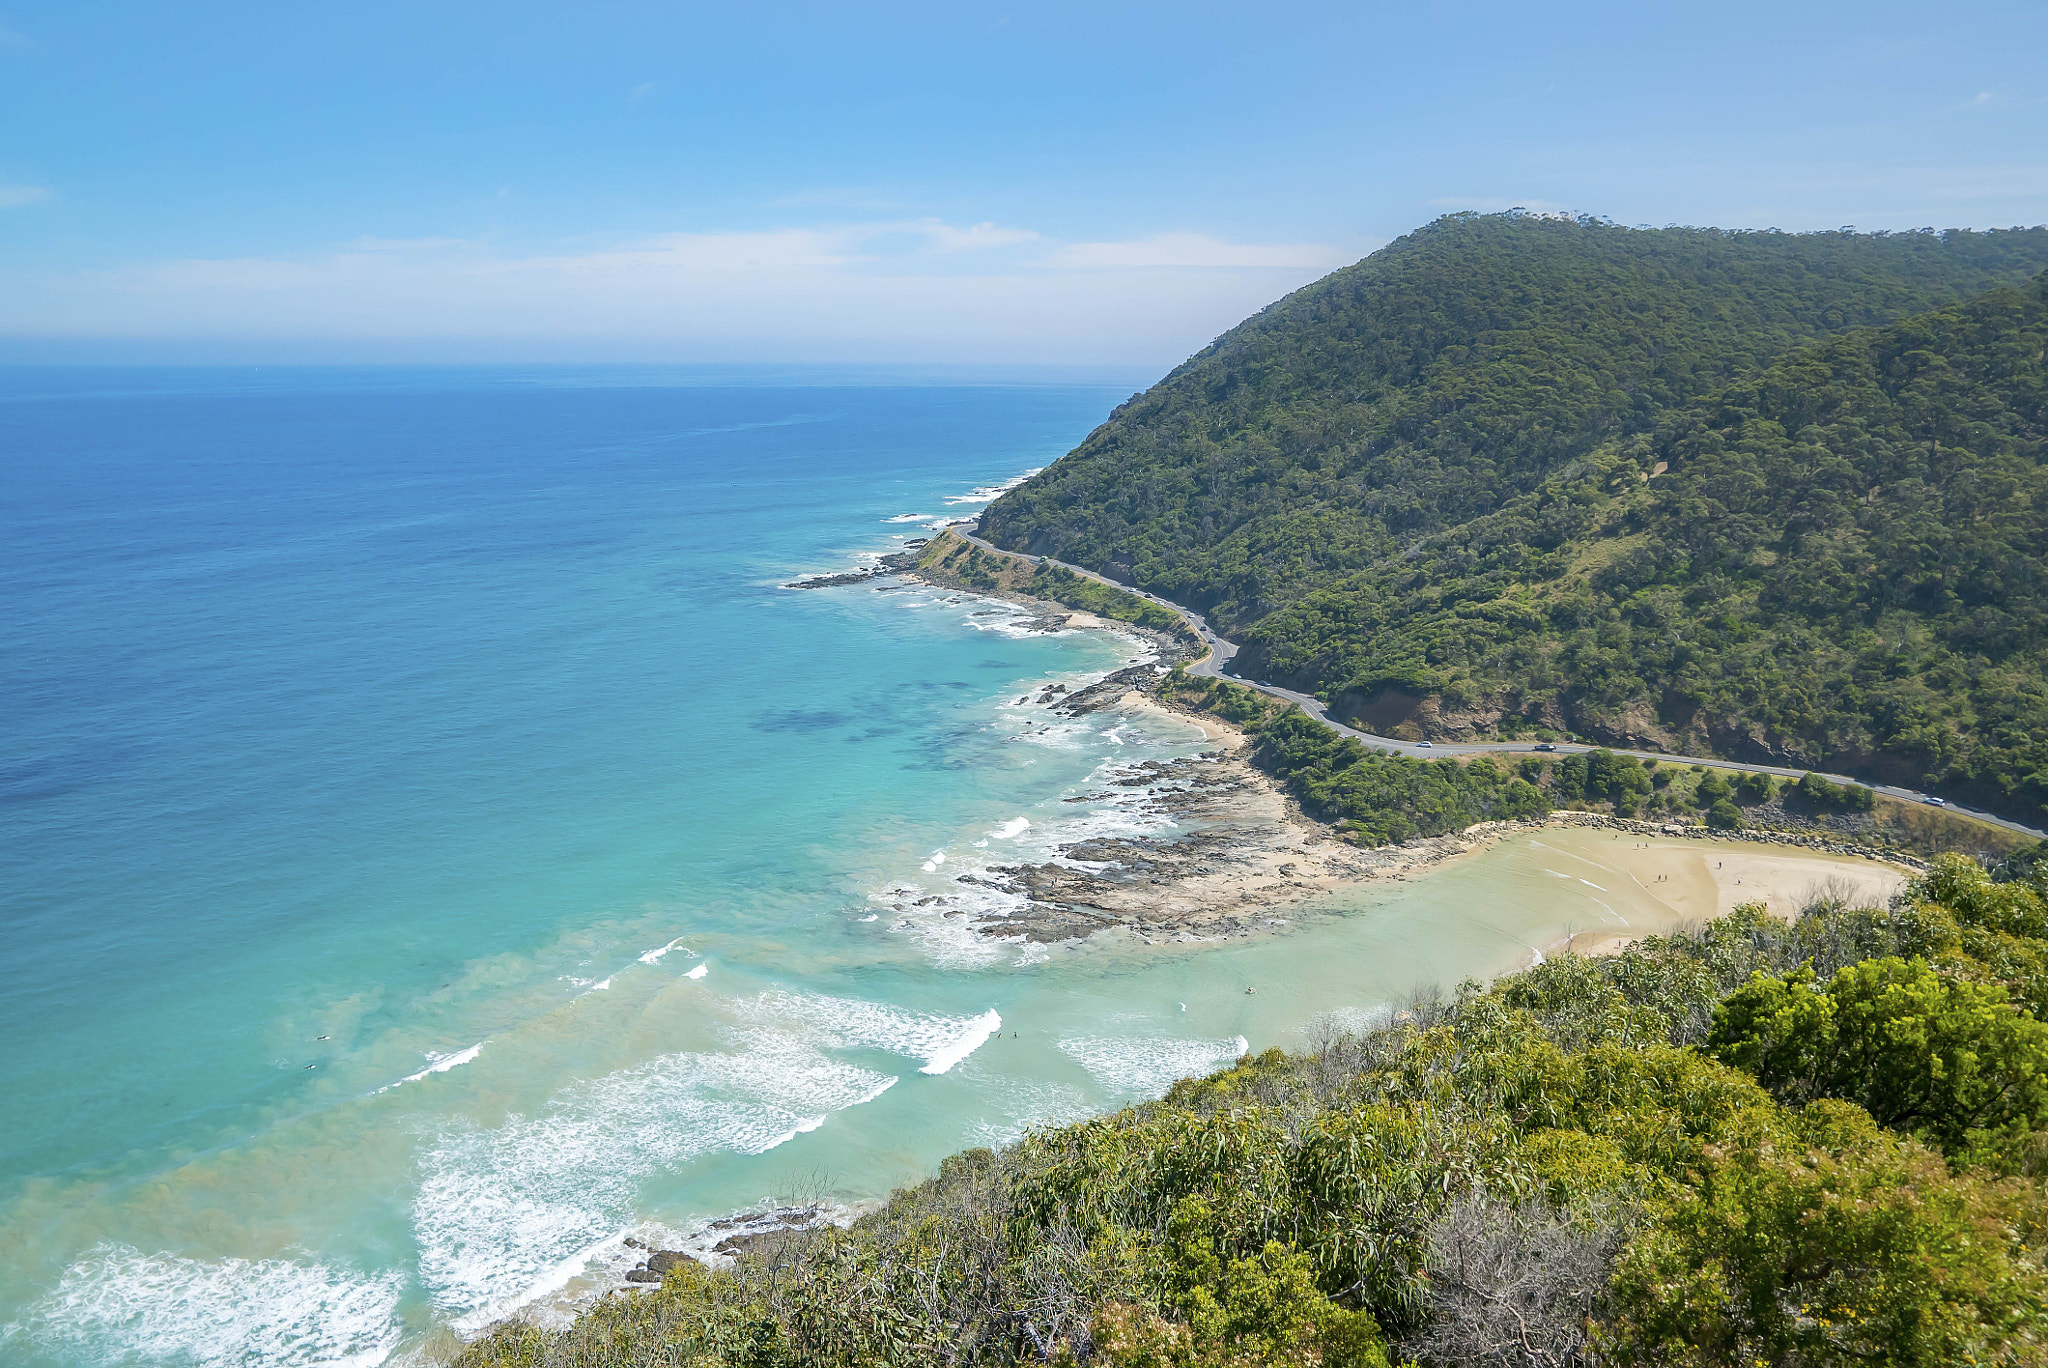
(1246, 859)
(1687, 881)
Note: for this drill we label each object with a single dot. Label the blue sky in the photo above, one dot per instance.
(1096, 183)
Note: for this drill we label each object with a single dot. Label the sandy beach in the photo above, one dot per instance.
(1693, 880)
(1247, 855)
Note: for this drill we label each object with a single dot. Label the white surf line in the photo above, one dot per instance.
(1570, 856)
(654, 956)
(551, 1281)
(1612, 913)
(441, 1065)
(965, 1044)
(701, 970)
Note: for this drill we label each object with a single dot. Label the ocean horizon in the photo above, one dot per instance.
(439, 846)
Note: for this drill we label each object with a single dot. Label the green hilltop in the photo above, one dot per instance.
(1761, 495)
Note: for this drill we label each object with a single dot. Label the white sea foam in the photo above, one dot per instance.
(989, 493)
(119, 1305)
(910, 517)
(443, 1063)
(699, 972)
(969, 1040)
(959, 919)
(654, 956)
(1590, 884)
(1137, 1066)
(501, 1211)
(601, 985)
(1026, 1105)
(939, 1041)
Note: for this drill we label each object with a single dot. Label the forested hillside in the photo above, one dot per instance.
(1818, 1145)
(1515, 474)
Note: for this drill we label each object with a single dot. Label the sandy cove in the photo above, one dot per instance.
(1247, 853)
(1694, 879)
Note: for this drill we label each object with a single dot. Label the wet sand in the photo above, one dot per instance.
(1689, 881)
(1250, 855)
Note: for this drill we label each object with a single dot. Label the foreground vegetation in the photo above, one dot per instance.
(1811, 1144)
(1516, 476)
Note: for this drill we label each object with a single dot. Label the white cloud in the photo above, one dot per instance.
(899, 289)
(425, 244)
(781, 249)
(643, 90)
(15, 196)
(1196, 251)
(980, 236)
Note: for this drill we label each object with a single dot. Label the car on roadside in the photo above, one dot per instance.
(1932, 801)
(1546, 746)
(1429, 744)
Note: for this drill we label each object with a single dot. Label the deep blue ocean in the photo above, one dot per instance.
(434, 845)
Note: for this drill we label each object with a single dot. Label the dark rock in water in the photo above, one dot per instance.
(764, 1243)
(642, 1275)
(663, 1260)
(893, 564)
(1106, 690)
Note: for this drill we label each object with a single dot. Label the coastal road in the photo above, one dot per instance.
(1216, 665)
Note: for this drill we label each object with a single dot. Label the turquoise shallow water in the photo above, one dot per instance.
(436, 847)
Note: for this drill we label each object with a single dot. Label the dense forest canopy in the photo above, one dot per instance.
(1682, 488)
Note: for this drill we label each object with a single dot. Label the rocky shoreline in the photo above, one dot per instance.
(1245, 850)
(1249, 851)
(895, 563)
(743, 1235)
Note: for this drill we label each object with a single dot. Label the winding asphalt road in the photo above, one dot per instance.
(1216, 665)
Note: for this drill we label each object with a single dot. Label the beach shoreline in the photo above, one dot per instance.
(1248, 860)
